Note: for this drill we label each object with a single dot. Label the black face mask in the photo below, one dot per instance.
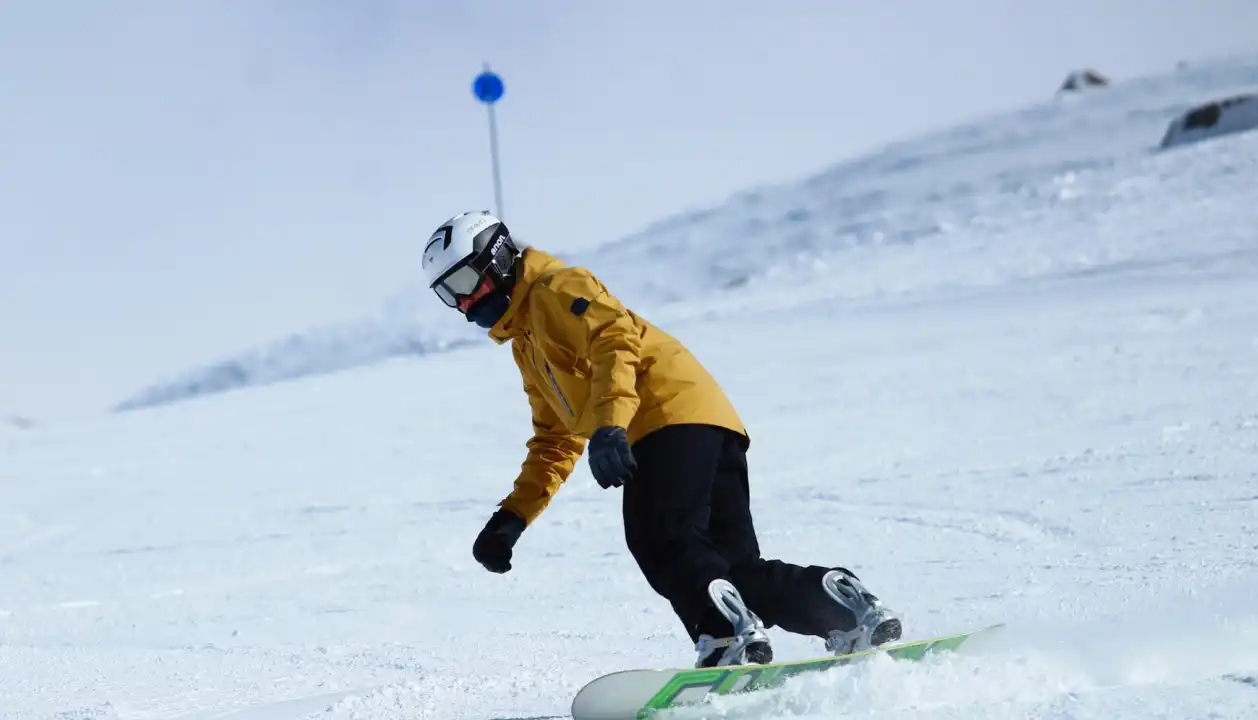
(489, 310)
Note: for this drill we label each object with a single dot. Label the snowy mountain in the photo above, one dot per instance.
(1007, 373)
(957, 192)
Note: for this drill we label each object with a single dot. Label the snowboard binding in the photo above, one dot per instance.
(748, 645)
(867, 622)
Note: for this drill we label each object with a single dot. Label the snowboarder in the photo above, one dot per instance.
(655, 423)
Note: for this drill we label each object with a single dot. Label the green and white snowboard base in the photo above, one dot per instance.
(635, 694)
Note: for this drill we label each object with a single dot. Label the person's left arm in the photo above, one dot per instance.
(597, 321)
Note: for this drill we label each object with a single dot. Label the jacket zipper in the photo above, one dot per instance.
(555, 384)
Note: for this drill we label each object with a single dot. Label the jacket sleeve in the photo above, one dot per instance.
(615, 350)
(594, 323)
(552, 454)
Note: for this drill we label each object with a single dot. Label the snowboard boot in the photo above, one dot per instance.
(749, 645)
(864, 622)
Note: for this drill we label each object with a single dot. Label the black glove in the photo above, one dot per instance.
(493, 546)
(611, 459)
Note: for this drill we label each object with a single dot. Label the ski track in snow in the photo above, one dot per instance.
(1064, 445)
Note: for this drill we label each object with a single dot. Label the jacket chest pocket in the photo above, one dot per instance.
(568, 378)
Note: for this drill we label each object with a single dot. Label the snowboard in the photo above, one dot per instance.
(635, 694)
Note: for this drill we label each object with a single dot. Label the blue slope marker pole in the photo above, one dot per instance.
(488, 88)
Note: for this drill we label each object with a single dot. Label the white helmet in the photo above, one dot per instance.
(465, 254)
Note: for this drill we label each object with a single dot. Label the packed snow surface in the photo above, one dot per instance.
(1024, 389)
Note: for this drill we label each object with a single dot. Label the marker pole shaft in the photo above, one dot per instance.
(493, 154)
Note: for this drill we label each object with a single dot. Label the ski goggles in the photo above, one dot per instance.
(459, 284)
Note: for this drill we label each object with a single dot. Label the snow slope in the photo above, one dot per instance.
(1046, 415)
(963, 190)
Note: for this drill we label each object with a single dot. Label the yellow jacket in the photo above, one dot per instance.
(587, 361)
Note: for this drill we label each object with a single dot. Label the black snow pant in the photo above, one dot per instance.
(688, 521)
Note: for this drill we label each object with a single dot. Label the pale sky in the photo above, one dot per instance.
(181, 180)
